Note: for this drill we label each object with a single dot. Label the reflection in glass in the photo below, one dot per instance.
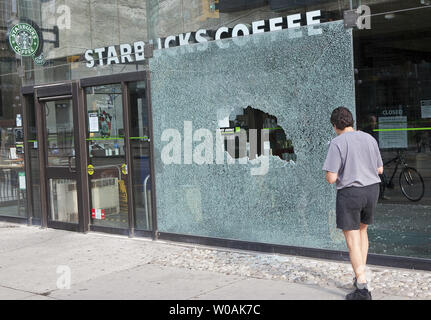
(105, 137)
(60, 133)
(64, 200)
(140, 149)
(12, 169)
(394, 106)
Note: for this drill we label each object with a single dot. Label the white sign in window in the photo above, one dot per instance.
(394, 132)
(22, 185)
(426, 109)
(93, 122)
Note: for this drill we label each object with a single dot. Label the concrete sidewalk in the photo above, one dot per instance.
(34, 263)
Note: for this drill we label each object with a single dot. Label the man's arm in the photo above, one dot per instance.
(380, 165)
(331, 177)
(332, 164)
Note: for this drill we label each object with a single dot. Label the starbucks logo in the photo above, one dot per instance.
(24, 39)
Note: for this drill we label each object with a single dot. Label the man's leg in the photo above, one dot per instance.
(353, 239)
(364, 243)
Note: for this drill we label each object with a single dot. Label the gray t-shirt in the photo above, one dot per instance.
(356, 157)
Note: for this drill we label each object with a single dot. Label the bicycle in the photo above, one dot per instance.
(411, 182)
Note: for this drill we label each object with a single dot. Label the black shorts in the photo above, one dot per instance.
(355, 206)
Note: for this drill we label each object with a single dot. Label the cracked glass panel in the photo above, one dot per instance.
(297, 76)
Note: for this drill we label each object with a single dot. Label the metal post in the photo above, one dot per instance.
(27, 160)
(152, 155)
(127, 122)
(40, 123)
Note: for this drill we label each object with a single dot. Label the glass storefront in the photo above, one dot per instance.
(12, 171)
(255, 198)
(393, 84)
(232, 120)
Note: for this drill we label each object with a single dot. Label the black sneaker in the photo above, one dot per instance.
(359, 295)
(355, 283)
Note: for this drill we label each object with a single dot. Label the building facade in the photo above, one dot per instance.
(208, 121)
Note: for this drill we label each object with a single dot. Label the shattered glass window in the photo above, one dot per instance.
(237, 135)
(297, 77)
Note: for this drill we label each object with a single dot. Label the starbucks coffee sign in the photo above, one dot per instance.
(129, 53)
(24, 39)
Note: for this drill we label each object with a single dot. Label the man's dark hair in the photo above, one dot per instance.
(342, 118)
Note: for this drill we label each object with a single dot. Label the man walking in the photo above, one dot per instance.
(354, 163)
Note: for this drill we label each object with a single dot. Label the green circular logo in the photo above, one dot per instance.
(24, 39)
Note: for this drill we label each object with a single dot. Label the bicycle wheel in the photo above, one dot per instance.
(412, 184)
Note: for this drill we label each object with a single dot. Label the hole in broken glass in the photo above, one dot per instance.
(238, 139)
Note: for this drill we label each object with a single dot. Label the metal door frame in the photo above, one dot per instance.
(100, 81)
(124, 79)
(44, 94)
(76, 91)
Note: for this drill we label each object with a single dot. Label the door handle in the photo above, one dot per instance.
(147, 205)
(70, 164)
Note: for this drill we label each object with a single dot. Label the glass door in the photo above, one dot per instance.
(140, 148)
(59, 150)
(108, 167)
(93, 142)
(119, 156)
(60, 147)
